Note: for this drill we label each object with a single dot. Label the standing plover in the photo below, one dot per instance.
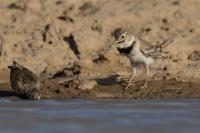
(24, 82)
(129, 45)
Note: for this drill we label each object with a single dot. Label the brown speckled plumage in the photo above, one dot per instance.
(24, 82)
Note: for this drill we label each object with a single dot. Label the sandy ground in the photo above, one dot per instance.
(48, 35)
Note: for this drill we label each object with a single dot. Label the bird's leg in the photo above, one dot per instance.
(130, 81)
(146, 77)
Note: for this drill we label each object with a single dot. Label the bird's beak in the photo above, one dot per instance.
(115, 42)
(10, 67)
(134, 42)
(118, 42)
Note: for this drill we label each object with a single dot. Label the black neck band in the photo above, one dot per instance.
(126, 50)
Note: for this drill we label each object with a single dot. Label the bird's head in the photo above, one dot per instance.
(14, 65)
(125, 40)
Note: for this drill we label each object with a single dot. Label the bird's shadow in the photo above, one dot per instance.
(5, 93)
(110, 80)
(6, 90)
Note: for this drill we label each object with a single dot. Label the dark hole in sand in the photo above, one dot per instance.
(1, 46)
(66, 18)
(111, 80)
(88, 9)
(59, 74)
(100, 59)
(72, 44)
(47, 27)
(59, 2)
(44, 35)
(175, 3)
(148, 29)
(86, 6)
(57, 91)
(15, 6)
(74, 70)
(164, 20)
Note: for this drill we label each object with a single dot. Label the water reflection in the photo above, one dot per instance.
(107, 116)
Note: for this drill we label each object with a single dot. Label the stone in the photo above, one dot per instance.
(87, 85)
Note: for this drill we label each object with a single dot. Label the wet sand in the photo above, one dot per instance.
(110, 88)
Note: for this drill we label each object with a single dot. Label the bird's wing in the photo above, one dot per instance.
(30, 80)
(144, 52)
(27, 73)
(15, 64)
(154, 50)
(26, 76)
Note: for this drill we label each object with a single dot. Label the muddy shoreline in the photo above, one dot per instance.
(110, 88)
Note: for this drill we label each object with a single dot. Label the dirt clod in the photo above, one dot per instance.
(194, 56)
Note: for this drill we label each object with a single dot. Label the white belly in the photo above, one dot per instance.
(137, 57)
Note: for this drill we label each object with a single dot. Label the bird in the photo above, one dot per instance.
(24, 82)
(130, 46)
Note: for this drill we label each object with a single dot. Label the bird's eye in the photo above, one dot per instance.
(122, 36)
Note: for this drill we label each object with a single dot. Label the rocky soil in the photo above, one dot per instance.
(47, 36)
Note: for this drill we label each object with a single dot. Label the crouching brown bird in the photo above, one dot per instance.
(24, 82)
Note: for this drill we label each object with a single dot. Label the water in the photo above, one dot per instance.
(100, 116)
